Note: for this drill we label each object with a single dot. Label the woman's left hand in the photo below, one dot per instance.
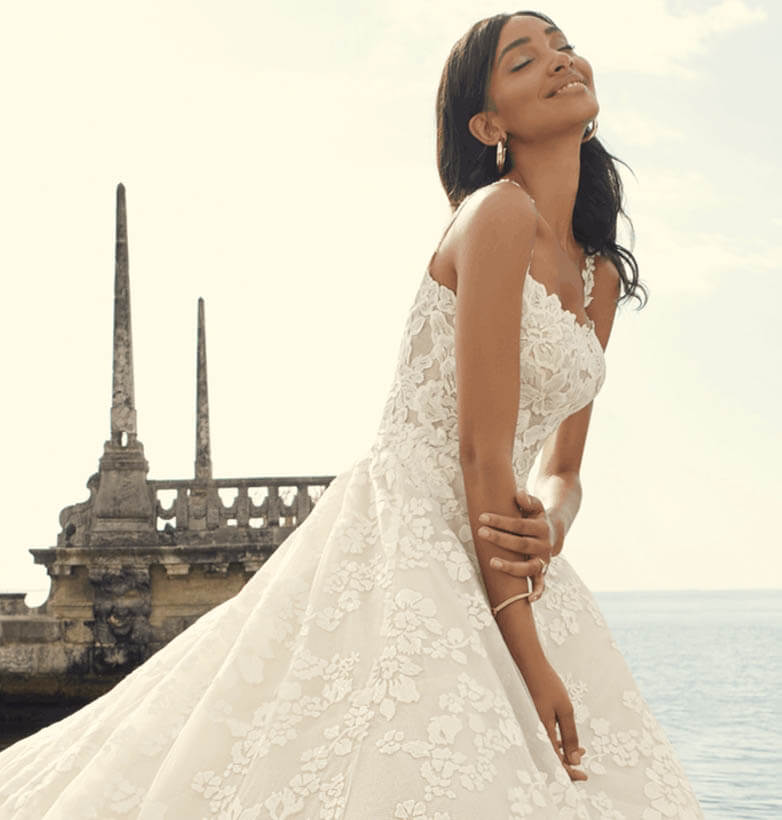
(533, 536)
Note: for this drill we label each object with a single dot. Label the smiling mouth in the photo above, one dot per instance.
(571, 86)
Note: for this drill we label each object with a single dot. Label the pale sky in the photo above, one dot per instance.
(279, 161)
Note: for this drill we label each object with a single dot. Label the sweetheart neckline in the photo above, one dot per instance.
(589, 328)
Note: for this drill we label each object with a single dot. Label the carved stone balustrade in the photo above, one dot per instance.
(199, 513)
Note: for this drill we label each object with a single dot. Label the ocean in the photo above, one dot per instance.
(709, 664)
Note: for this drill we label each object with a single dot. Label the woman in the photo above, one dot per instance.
(378, 665)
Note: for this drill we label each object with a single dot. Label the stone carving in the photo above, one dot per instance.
(122, 605)
(76, 519)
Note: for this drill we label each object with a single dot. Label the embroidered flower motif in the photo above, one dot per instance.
(454, 558)
(391, 680)
(410, 618)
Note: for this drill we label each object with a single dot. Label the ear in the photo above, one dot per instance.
(483, 128)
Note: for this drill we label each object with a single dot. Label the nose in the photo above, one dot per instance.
(561, 64)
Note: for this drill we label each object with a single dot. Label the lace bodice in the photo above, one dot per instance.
(562, 368)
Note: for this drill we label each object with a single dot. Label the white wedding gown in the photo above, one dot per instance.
(359, 673)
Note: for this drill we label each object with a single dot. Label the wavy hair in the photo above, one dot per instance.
(465, 164)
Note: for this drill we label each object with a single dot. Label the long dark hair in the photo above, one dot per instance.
(466, 164)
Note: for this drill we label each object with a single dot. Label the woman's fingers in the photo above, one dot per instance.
(521, 526)
(531, 535)
(519, 569)
(534, 549)
(551, 731)
(527, 503)
(550, 726)
(575, 774)
(567, 729)
(513, 542)
(538, 585)
(531, 569)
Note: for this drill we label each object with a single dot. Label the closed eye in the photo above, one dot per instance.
(568, 47)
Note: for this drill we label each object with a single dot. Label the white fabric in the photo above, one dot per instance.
(359, 673)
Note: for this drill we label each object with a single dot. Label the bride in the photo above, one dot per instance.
(419, 647)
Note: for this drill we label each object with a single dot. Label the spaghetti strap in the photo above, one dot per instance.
(537, 216)
(506, 179)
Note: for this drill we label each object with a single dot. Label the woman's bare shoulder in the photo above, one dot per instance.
(499, 219)
(502, 202)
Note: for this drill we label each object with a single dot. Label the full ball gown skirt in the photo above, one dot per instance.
(359, 673)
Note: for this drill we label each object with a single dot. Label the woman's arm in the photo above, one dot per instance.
(494, 245)
(558, 483)
(560, 495)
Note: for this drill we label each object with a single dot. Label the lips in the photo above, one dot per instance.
(573, 78)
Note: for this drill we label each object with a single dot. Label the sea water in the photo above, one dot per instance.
(709, 664)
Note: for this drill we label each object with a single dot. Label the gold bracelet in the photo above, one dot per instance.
(496, 609)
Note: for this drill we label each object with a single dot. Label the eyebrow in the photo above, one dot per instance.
(521, 41)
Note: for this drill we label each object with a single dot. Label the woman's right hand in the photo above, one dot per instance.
(555, 709)
(533, 536)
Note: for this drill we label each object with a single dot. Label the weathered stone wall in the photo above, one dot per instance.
(102, 621)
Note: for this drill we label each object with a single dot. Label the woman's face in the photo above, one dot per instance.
(528, 85)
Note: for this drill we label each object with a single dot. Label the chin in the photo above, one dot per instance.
(591, 111)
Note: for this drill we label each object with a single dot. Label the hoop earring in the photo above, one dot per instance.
(501, 151)
(588, 135)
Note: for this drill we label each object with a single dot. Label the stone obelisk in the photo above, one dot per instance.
(203, 459)
(124, 511)
(204, 501)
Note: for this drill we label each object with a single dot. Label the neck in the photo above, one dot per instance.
(549, 170)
